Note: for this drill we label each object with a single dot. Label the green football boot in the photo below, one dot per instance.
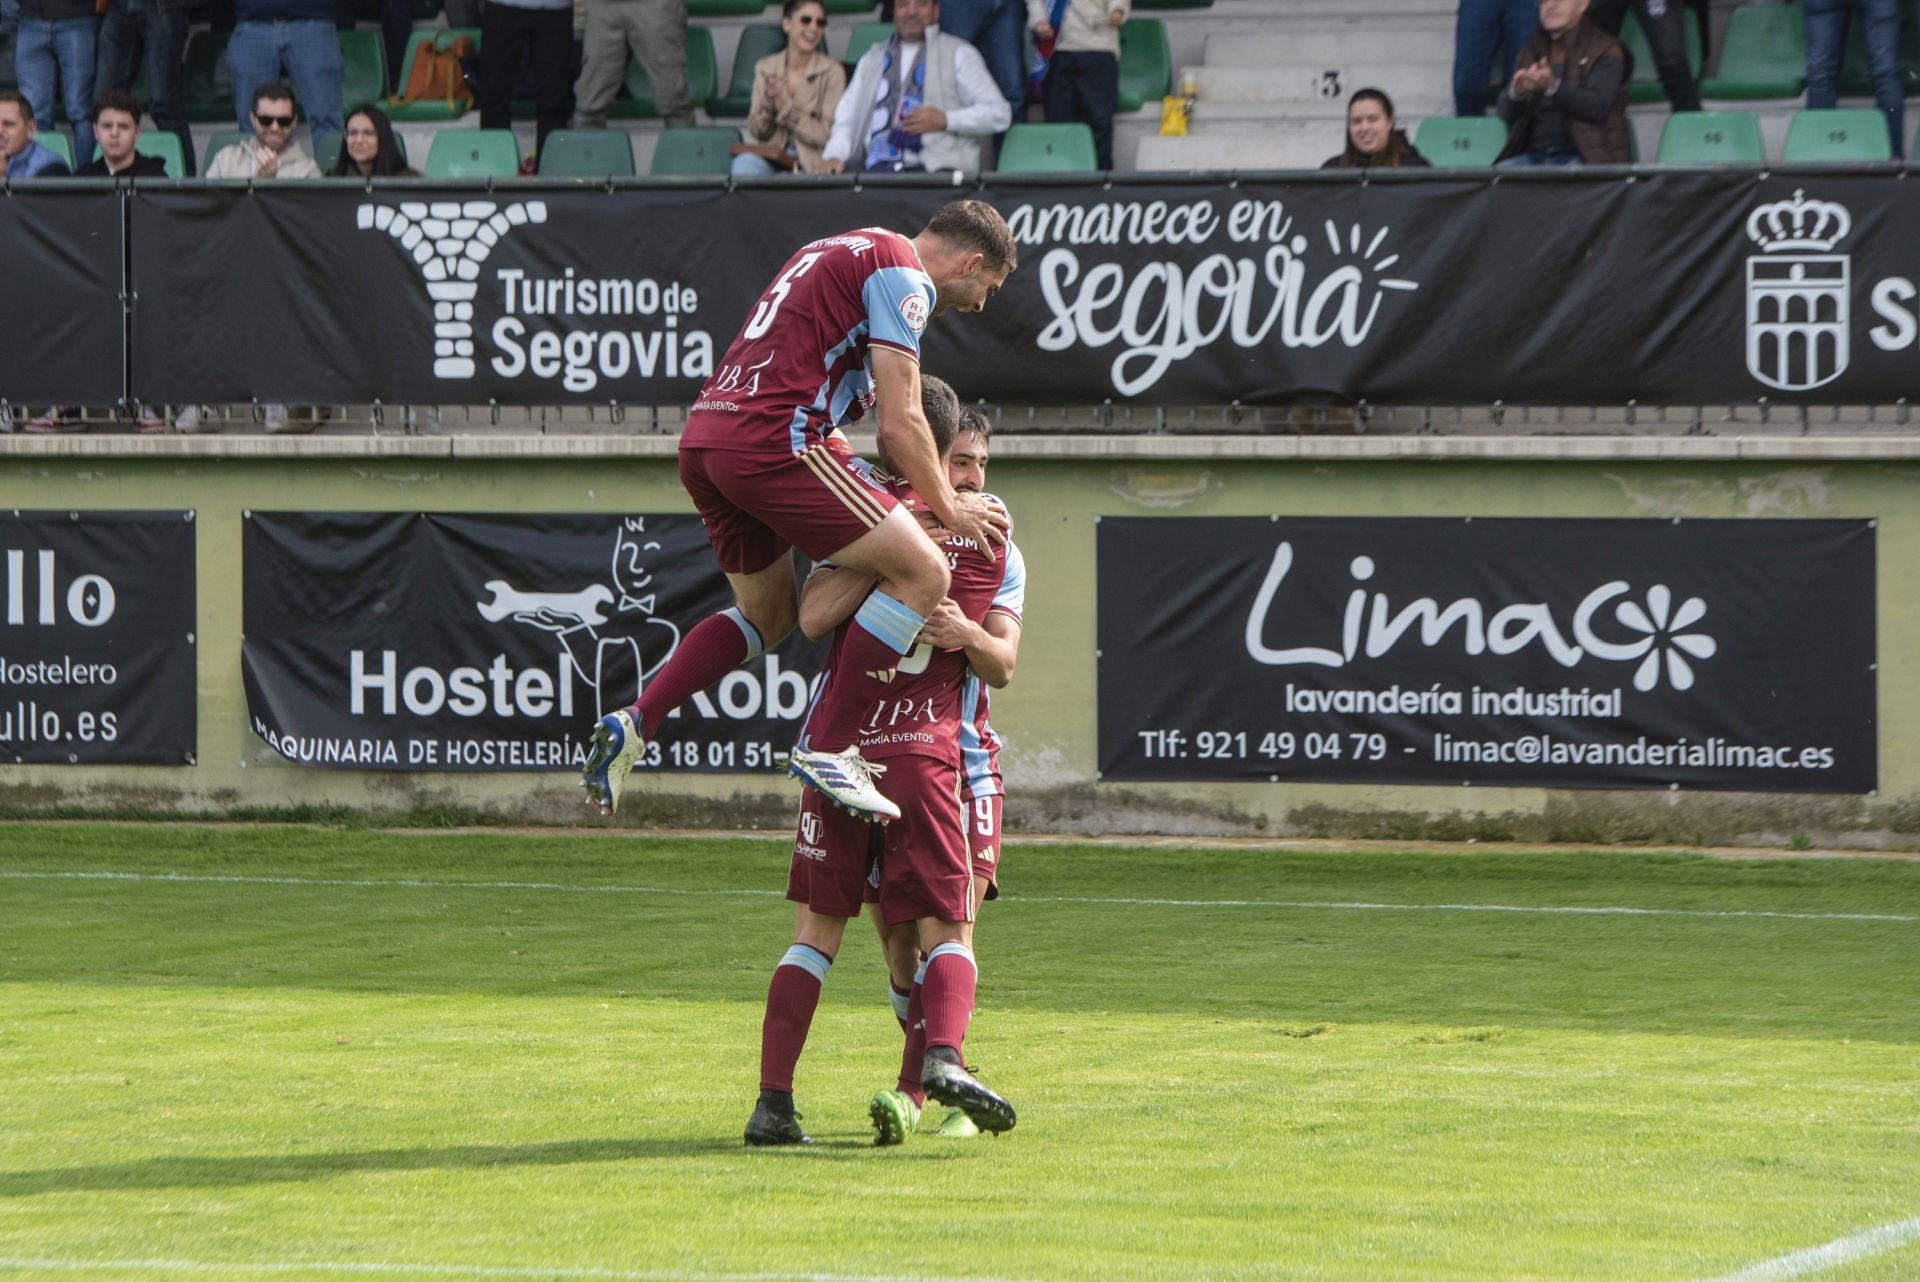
(894, 1115)
(956, 1125)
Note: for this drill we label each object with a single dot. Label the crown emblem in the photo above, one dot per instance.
(1799, 224)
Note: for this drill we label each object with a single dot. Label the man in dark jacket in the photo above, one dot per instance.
(157, 29)
(55, 48)
(116, 125)
(1567, 102)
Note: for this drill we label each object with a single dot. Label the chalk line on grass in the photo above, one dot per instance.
(416, 883)
(1817, 1259)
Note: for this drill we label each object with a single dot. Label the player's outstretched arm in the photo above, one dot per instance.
(831, 595)
(907, 442)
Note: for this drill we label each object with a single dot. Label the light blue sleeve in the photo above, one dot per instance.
(899, 303)
(1012, 596)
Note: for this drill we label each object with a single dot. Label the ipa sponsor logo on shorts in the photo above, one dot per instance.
(569, 328)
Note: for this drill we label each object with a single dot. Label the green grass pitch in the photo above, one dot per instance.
(305, 1054)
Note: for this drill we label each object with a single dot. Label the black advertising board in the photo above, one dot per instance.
(1673, 287)
(1563, 653)
(443, 641)
(98, 661)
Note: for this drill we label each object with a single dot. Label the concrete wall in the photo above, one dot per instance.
(1056, 487)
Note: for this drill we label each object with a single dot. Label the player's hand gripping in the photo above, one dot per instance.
(974, 517)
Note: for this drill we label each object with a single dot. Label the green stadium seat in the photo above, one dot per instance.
(703, 76)
(1711, 138)
(57, 143)
(473, 153)
(1840, 136)
(1763, 54)
(1048, 149)
(724, 8)
(756, 42)
(692, 152)
(418, 111)
(206, 91)
(587, 153)
(865, 36)
(1645, 85)
(218, 143)
(165, 144)
(1461, 142)
(1173, 4)
(363, 77)
(849, 7)
(1146, 63)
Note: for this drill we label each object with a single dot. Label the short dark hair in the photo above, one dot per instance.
(117, 100)
(19, 100)
(977, 227)
(941, 404)
(272, 91)
(974, 423)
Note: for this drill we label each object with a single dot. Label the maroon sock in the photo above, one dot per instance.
(716, 646)
(915, 1049)
(791, 999)
(946, 994)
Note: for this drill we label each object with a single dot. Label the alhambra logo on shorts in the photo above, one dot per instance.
(1797, 293)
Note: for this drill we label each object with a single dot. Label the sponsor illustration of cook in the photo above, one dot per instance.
(609, 635)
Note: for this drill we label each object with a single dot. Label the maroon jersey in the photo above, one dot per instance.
(921, 711)
(801, 365)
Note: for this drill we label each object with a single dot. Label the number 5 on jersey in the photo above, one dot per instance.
(770, 305)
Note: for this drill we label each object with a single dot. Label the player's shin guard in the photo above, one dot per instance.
(915, 1024)
(717, 645)
(946, 994)
(791, 999)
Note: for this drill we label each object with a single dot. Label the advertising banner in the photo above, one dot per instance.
(444, 641)
(98, 658)
(1672, 288)
(1554, 653)
(62, 325)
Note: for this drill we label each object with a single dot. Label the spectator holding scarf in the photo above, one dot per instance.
(1077, 62)
(922, 100)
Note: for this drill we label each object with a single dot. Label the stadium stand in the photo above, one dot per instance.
(473, 153)
(1763, 54)
(1146, 63)
(756, 42)
(364, 74)
(1456, 142)
(164, 144)
(865, 36)
(587, 153)
(690, 152)
(1048, 149)
(55, 141)
(1839, 135)
(1712, 138)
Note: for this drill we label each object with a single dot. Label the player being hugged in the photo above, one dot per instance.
(837, 330)
(918, 869)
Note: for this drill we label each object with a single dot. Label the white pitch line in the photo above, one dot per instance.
(382, 1269)
(1817, 1259)
(415, 883)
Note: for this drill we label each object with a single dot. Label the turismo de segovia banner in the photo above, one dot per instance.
(98, 658)
(441, 641)
(1673, 288)
(1556, 653)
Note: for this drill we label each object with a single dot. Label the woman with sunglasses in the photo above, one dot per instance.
(795, 92)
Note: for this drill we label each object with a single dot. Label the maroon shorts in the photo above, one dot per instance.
(758, 505)
(983, 840)
(836, 859)
(924, 868)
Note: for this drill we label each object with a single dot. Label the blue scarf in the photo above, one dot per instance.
(889, 147)
(1043, 51)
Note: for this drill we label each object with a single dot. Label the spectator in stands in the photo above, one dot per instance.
(655, 32)
(1826, 24)
(26, 157)
(55, 45)
(153, 32)
(1082, 73)
(369, 149)
(116, 126)
(795, 93)
(299, 36)
(920, 100)
(1665, 22)
(1567, 101)
(1373, 142)
(271, 152)
(994, 28)
(1480, 27)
